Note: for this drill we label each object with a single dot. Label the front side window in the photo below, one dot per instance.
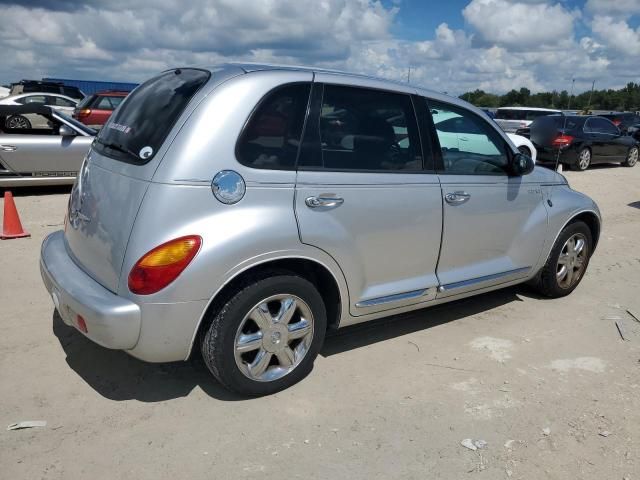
(271, 138)
(368, 130)
(469, 145)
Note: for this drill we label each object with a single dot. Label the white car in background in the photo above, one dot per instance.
(450, 125)
(58, 102)
(511, 119)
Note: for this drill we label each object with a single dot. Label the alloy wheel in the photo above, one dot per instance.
(273, 338)
(17, 121)
(632, 159)
(572, 261)
(584, 159)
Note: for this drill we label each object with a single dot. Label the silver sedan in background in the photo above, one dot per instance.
(41, 156)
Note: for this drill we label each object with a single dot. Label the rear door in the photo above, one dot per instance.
(366, 194)
(494, 225)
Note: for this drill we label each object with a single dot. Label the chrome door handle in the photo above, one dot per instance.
(456, 198)
(8, 148)
(327, 202)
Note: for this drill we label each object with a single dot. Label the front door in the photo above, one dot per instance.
(42, 152)
(363, 196)
(494, 225)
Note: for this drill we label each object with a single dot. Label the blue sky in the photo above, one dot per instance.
(450, 45)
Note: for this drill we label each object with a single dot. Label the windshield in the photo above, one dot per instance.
(74, 122)
(136, 131)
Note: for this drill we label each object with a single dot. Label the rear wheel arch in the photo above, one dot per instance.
(313, 271)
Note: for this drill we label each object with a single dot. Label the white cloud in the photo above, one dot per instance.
(617, 35)
(520, 25)
(614, 7)
(505, 44)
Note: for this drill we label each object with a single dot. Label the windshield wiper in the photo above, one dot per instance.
(118, 147)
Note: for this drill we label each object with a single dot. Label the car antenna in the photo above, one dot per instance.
(564, 126)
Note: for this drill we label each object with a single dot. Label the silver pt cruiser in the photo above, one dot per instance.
(241, 211)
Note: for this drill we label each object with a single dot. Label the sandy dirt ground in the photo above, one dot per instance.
(549, 385)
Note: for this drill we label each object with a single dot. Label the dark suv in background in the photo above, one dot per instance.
(30, 86)
(578, 141)
(96, 109)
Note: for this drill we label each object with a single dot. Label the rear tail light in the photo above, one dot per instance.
(162, 265)
(562, 140)
(617, 122)
(85, 112)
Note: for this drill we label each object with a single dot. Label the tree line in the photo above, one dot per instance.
(627, 98)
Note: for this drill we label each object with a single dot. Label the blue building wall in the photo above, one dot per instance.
(89, 86)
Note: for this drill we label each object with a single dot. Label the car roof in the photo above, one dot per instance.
(48, 94)
(104, 93)
(25, 109)
(537, 109)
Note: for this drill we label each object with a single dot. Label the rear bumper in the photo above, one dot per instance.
(112, 321)
(550, 155)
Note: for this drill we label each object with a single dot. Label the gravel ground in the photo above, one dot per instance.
(549, 385)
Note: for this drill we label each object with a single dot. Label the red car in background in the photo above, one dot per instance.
(96, 109)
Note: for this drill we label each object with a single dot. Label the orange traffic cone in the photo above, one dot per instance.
(11, 226)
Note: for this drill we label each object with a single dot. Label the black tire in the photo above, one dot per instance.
(218, 344)
(581, 167)
(17, 121)
(546, 283)
(525, 150)
(632, 157)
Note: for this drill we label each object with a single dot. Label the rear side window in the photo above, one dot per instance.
(271, 138)
(368, 130)
(600, 125)
(108, 103)
(138, 129)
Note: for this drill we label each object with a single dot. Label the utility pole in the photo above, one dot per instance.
(593, 85)
(409, 75)
(573, 82)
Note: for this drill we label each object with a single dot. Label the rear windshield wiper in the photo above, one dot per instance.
(118, 147)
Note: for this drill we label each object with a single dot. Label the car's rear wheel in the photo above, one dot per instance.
(567, 262)
(266, 337)
(17, 121)
(583, 161)
(632, 157)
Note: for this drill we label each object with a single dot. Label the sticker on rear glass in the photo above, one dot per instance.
(145, 152)
(121, 128)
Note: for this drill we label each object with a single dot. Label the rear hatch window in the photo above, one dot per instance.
(137, 130)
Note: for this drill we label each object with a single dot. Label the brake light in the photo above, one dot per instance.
(85, 112)
(617, 122)
(162, 265)
(562, 140)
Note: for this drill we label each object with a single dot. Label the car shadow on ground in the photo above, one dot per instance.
(118, 376)
(36, 191)
(634, 204)
(368, 333)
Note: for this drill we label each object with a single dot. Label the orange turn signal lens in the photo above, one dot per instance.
(162, 265)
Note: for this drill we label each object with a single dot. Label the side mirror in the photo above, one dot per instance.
(522, 164)
(66, 131)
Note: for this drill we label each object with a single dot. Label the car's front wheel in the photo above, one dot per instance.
(17, 121)
(567, 261)
(583, 161)
(632, 157)
(266, 337)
